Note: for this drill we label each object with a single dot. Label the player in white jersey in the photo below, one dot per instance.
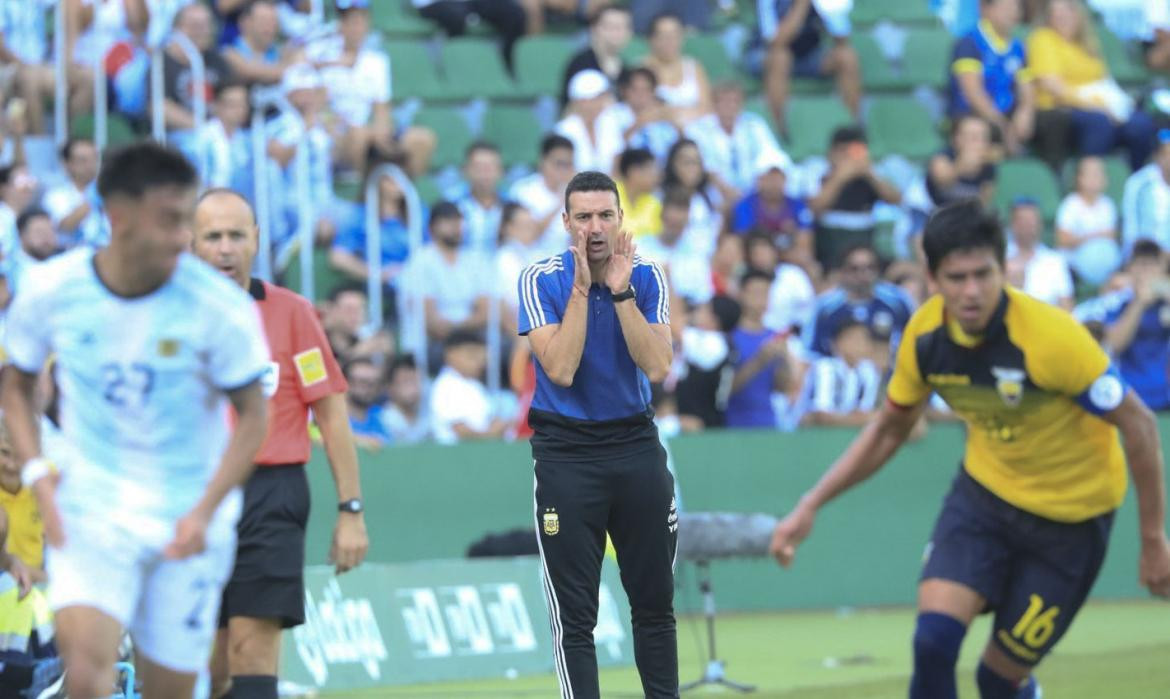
(150, 344)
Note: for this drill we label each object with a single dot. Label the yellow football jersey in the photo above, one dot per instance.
(26, 532)
(1017, 386)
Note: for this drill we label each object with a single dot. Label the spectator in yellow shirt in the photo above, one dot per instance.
(637, 187)
(1064, 56)
(26, 533)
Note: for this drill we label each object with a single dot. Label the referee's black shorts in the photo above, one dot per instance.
(268, 581)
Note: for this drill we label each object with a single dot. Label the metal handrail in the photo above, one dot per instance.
(261, 103)
(158, 97)
(61, 76)
(416, 315)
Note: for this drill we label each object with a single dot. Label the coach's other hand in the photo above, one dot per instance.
(790, 531)
(350, 542)
(45, 491)
(620, 265)
(190, 536)
(1154, 568)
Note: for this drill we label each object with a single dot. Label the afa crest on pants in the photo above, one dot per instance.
(552, 521)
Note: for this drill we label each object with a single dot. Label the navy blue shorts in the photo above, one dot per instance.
(1035, 573)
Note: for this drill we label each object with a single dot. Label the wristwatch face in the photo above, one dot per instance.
(351, 506)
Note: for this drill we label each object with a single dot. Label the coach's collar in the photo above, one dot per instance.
(256, 289)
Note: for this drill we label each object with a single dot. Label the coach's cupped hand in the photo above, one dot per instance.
(45, 492)
(350, 542)
(789, 532)
(190, 536)
(582, 277)
(620, 265)
(1154, 568)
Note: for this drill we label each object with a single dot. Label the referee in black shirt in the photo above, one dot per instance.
(597, 317)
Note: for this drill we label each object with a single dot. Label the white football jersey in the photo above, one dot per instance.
(143, 384)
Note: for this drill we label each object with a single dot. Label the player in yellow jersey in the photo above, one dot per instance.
(1050, 428)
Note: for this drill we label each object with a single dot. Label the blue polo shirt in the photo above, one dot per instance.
(886, 312)
(1001, 62)
(1145, 363)
(608, 385)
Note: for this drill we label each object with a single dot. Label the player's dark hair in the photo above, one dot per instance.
(444, 211)
(347, 288)
(132, 170)
(660, 18)
(28, 215)
(962, 227)
(554, 141)
(73, 142)
(1145, 248)
(756, 275)
(591, 181)
(632, 158)
(627, 77)
(843, 135)
(477, 146)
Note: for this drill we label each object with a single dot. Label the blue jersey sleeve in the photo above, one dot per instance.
(1105, 394)
(538, 291)
(653, 294)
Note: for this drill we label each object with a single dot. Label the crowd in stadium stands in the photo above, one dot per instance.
(793, 266)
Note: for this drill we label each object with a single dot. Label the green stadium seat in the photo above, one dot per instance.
(867, 12)
(118, 129)
(452, 132)
(325, 278)
(517, 132)
(393, 18)
(877, 73)
(902, 125)
(636, 50)
(1117, 170)
(1027, 177)
(475, 68)
(811, 120)
(1124, 67)
(758, 105)
(927, 57)
(428, 191)
(413, 71)
(540, 63)
(709, 51)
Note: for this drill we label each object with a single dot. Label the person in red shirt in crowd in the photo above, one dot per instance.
(266, 592)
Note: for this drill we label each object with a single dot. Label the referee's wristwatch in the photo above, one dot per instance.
(624, 295)
(352, 506)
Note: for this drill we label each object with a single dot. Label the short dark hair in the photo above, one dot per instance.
(847, 134)
(462, 336)
(659, 18)
(554, 141)
(627, 77)
(401, 362)
(71, 143)
(591, 181)
(758, 238)
(855, 248)
(226, 85)
(1145, 248)
(6, 175)
(130, 171)
(353, 287)
(477, 146)
(443, 211)
(849, 322)
(756, 275)
(28, 215)
(632, 158)
(960, 227)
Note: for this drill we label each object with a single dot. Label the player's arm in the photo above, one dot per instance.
(1143, 452)
(350, 541)
(235, 466)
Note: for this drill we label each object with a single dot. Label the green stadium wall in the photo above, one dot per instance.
(430, 502)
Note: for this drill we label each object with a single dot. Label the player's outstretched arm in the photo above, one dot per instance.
(350, 541)
(872, 448)
(1143, 452)
(235, 466)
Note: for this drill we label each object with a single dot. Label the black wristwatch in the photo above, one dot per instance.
(353, 506)
(625, 295)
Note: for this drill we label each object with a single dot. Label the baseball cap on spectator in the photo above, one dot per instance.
(588, 84)
(770, 160)
(301, 76)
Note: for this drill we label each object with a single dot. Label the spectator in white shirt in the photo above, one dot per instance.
(405, 416)
(519, 247)
(1032, 266)
(38, 242)
(482, 205)
(792, 298)
(732, 141)
(641, 116)
(461, 407)
(596, 142)
(689, 272)
(225, 138)
(358, 79)
(75, 206)
(18, 190)
(543, 192)
(1086, 225)
(1145, 203)
(844, 389)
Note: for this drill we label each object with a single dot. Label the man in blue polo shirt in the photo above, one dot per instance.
(597, 317)
(989, 77)
(862, 297)
(1137, 324)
